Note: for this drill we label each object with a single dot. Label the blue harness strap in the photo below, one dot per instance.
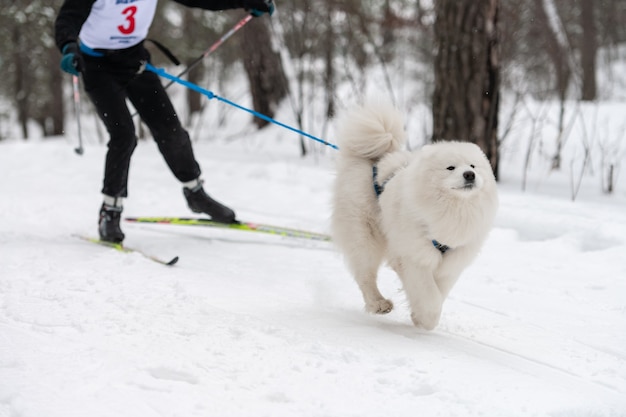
(441, 247)
(378, 188)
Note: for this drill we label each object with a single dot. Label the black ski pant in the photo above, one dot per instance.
(110, 80)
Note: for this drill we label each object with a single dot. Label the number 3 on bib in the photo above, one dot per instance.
(129, 28)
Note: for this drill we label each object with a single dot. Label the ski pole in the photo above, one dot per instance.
(210, 95)
(211, 49)
(75, 88)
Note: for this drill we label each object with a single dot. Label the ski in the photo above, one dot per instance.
(244, 226)
(121, 248)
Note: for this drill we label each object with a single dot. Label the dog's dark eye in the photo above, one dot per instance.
(450, 168)
(472, 166)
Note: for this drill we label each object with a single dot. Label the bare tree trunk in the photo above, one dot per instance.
(329, 71)
(264, 68)
(56, 104)
(22, 91)
(194, 99)
(387, 28)
(47, 106)
(556, 48)
(329, 74)
(588, 50)
(559, 54)
(467, 74)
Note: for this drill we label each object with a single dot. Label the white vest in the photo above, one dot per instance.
(117, 24)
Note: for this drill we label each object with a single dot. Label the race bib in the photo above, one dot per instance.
(117, 24)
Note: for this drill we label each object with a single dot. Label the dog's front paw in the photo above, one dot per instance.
(426, 321)
(381, 306)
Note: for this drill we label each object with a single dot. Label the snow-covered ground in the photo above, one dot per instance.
(256, 325)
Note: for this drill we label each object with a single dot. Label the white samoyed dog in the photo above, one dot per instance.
(427, 213)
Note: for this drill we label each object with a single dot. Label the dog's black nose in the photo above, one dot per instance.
(469, 176)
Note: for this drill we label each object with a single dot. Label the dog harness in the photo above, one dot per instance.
(379, 188)
(440, 246)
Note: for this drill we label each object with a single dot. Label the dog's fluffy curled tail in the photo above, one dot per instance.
(371, 131)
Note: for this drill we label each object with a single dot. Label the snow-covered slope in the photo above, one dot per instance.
(249, 324)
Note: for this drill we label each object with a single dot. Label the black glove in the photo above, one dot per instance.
(259, 7)
(72, 60)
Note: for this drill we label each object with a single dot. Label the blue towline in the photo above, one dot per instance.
(161, 72)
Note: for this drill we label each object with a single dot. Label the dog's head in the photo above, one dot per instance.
(460, 167)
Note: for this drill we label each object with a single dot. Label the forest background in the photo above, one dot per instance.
(318, 56)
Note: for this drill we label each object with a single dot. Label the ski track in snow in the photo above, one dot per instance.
(252, 324)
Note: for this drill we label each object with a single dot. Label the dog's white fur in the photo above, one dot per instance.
(425, 199)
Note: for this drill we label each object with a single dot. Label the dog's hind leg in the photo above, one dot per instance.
(365, 269)
(374, 300)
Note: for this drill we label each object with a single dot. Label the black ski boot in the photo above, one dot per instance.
(109, 224)
(199, 202)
